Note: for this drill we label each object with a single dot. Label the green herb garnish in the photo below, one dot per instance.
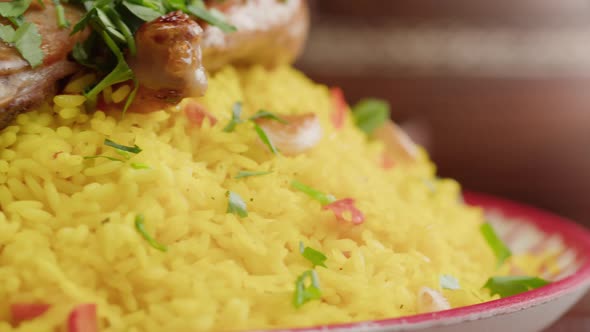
(449, 282)
(245, 174)
(14, 8)
(139, 166)
(262, 114)
(62, 22)
(197, 8)
(105, 157)
(123, 151)
(132, 149)
(264, 138)
(319, 196)
(144, 10)
(370, 114)
(512, 285)
(27, 41)
(236, 205)
(305, 293)
(501, 251)
(235, 118)
(315, 257)
(140, 227)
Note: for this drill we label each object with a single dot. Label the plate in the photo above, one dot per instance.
(523, 228)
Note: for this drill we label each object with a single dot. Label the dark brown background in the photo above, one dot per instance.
(498, 91)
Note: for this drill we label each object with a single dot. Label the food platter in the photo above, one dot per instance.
(532, 311)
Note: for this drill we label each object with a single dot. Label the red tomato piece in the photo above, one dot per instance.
(341, 206)
(83, 318)
(387, 161)
(340, 107)
(196, 114)
(21, 312)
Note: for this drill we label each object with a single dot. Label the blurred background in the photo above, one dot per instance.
(497, 91)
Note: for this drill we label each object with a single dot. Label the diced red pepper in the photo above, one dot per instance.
(340, 107)
(341, 206)
(387, 161)
(21, 312)
(83, 318)
(196, 114)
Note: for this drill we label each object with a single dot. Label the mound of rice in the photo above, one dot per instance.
(67, 233)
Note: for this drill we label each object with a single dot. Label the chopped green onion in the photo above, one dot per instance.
(370, 114)
(264, 138)
(133, 149)
(235, 118)
(512, 285)
(140, 227)
(236, 205)
(315, 257)
(105, 157)
(449, 282)
(319, 196)
(262, 114)
(61, 15)
(139, 166)
(501, 251)
(303, 293)
(245, 174)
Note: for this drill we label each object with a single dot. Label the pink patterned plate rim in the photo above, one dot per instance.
(574, 236)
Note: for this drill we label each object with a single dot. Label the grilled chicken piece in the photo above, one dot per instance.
(270, 33)
(169, 65)
(21, 86)
(168, 61)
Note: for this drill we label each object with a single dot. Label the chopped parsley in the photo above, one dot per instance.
(501, 251)
(14, 8)
(449, 282)
(369, 114)
(305, 293)
(236, 205)
(26, 39)
(245, 174)
(512, 285)
(319, 196)
(264, 138)
(235, 118)
(315, 257)
(140, 227)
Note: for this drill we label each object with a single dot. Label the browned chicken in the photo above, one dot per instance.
(22, 87)
(168, 62)
(173, 52)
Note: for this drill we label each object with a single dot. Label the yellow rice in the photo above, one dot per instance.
(67, 231)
